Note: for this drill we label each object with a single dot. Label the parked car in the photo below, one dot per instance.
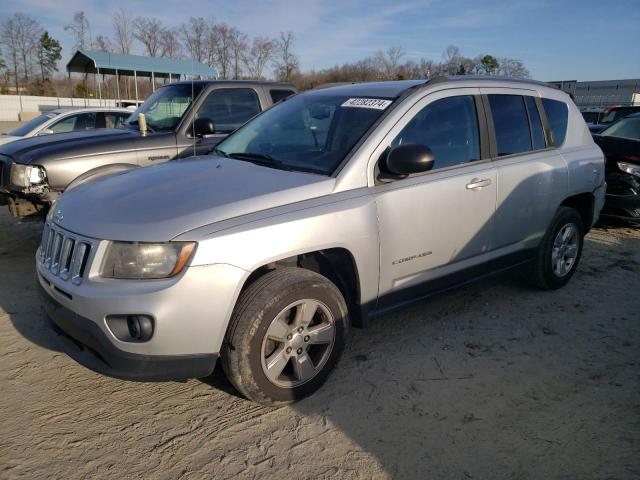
(333, 206)
(613, 114)
(63, 120)
(182, 119)
(621, 146)
(592, 115)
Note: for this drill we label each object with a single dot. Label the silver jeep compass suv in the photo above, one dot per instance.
(325, 210)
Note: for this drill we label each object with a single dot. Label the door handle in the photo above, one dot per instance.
(478, 183)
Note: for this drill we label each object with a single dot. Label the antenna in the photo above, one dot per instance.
(193, 117)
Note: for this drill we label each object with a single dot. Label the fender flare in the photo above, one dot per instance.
(100, 172)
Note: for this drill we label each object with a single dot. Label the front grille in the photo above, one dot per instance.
(64, 254)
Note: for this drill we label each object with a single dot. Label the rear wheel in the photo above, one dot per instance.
(286, 334)
(559, 252)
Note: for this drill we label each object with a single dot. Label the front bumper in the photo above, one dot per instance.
(190, 314)
(87, 344)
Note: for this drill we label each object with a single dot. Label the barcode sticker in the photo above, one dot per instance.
(375, 103)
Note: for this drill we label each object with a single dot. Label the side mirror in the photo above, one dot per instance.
(46, 131)
(203, 126)
(404, 160)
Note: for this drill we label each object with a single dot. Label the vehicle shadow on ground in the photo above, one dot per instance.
(460, 385)
(18, 246)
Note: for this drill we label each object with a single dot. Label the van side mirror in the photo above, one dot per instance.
(203, 126)
(404, 160)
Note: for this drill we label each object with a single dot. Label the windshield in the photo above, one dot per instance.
(24, 129)
(625, 128)
(310, 132)
(164, 108)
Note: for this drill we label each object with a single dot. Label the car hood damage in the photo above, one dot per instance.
(158, 203)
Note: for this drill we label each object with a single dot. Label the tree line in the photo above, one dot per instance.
(30, 56)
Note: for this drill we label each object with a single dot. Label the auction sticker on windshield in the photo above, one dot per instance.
(375, 103)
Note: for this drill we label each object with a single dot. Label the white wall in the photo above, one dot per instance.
(12, 105)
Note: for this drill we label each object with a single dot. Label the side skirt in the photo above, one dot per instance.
(416, 293)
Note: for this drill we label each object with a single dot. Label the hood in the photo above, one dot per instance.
(160, 202)
(8, 138)
(62, 145)
(615, 148)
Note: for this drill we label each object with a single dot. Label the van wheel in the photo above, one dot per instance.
(286, 333)
(559, 252)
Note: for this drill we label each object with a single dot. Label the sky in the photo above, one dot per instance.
(556, 40)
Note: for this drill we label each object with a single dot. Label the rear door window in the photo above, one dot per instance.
(449, 127)
(537, 134)
(229, 108)
(511, 124)
(557, 115)
(277, 95)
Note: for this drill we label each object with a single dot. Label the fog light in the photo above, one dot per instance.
(140, 327)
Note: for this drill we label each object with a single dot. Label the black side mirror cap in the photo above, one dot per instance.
(404, 160)
(203, 126)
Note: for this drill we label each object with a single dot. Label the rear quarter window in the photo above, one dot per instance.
(557, 115)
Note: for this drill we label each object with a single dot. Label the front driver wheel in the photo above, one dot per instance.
(286, 334)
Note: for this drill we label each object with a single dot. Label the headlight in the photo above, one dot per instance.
(631, 168)
(146, 260)
(26, 175)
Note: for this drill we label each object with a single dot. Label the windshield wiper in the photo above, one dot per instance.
(260, 159)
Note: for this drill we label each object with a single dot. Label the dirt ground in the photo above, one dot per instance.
(495, 380)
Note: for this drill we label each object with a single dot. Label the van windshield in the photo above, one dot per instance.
(165, 108)
(311, 132)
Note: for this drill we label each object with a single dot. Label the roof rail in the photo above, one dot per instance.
(500, 78)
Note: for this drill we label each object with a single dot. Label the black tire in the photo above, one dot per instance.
(543, 275)
(242, 352)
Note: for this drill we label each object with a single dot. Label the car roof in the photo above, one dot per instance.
(87, 109)
(395, 88)
(233, 82)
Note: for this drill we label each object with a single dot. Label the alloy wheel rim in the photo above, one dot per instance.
(298, 343)
(565, 250)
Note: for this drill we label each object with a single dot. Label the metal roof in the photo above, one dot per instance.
(86, 61)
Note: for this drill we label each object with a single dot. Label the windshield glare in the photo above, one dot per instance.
(625, 128)
(164, 108)
(310, 132)
(24, 129)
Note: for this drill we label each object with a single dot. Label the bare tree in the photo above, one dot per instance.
(123, 26)
(102, 44)
(194, 35)
(149, 32)
(220, 48)
(452, 60)
(9, 38)
(512, 68)
(170, 46)
(256, 58)
(388, 62)
(239, 45)
(79, 28)
(286, 62)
